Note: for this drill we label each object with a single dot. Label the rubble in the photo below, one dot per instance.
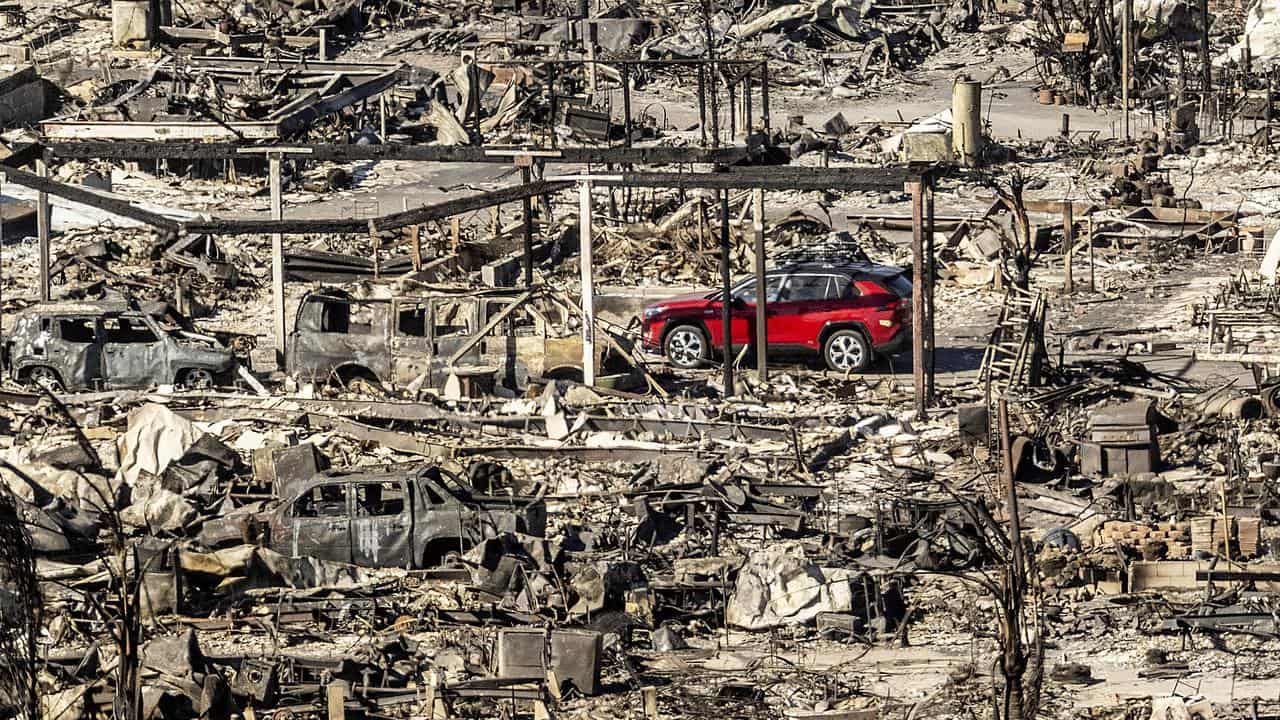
(818, 359)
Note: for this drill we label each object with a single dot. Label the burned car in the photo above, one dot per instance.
(395, 516)
(400, 340)
(112, 344)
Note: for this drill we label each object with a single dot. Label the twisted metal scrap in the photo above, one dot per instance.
(20, 608)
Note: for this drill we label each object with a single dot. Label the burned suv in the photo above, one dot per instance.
(110, 344)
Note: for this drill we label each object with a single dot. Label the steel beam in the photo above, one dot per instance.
(726, 301)
(43, 220)
(588, 284)
(918, 272)
(277, 259)
(762, 312)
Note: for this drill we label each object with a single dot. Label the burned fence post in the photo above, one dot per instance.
(762, 329)
(726, 304)
(588, 285)
(43, 220)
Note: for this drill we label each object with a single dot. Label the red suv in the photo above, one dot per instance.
(848, 312)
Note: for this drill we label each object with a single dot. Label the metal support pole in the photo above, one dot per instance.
(702, 102)
(553, 73)
(715, 105)
(966, 127)
(746, 99)
(627, 127)
(733, 110)
(277, 259)
(593, 71)
(1093, 287)
(1206, 66)
(764, 97)
(1068, 243)
(726, 305)
(44, 219)
(931, 272)
(1126, 61)
(473, 79)
(588, 284)
(918, 280)
(382, 117)
(526, 209)
(1267, 110)
(762, 310)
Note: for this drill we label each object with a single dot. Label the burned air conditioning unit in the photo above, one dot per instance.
(1122, 441)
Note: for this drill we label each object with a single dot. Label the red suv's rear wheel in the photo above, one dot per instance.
(846, 350)
(686, 346)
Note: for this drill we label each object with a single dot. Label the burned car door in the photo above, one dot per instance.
(443, 519)
(72, 346)
(133, 353)
(79, 350)
(453, 322)
(316, 524)
(410, 340)
(332, 332)
(381, 524)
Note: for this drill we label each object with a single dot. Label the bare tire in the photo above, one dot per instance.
(686, 347)
(45, 377)
(846, 350)
(197, 378)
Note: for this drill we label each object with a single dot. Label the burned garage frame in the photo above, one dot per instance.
(918, 180)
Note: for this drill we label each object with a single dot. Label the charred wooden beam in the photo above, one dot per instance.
(140, 150)
(24, 154)
(80, 195)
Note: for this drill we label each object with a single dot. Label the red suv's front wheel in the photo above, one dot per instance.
(846, 350)
(686, 347)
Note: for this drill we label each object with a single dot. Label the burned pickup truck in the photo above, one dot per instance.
(115, 344)
(395, 516)
(508, 336)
